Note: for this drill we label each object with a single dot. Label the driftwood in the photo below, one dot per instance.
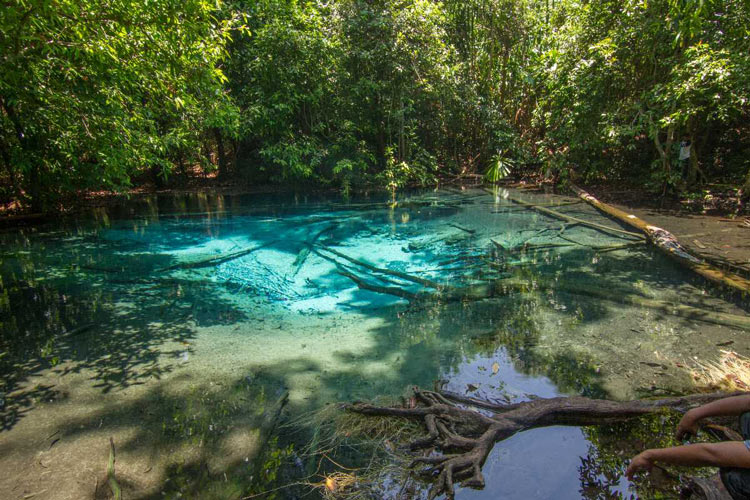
(465, 436)
(668, 244)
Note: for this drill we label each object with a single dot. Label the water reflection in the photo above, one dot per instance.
(167, 321)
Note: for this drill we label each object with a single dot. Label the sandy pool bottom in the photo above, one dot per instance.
(203, 406)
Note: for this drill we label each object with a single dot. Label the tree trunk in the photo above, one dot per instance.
(34, 187)
(5, 155)
(668, 244)
(221, 154)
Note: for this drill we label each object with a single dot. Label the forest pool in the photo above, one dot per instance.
(176, 325)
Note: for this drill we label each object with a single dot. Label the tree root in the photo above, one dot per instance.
(465, 437)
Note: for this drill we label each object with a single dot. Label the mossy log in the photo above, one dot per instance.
(669, 245)
(465, 436)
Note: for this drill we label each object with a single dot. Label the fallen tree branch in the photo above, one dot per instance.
(500, 288)
(669, 245)
(680, 310)
(465, 436)
(304, 253)
(215, 261)
(370, 267)
(569, 218)
(386, 290)
(113, 484)
(466, 230)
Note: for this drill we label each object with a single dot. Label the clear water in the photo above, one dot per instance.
(173, 324)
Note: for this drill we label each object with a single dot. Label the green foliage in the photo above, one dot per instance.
(342, 92)
(381, 91)
(500, 168)
(628, 80)
(92, 93)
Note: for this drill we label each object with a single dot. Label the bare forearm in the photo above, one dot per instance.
(727, 454)
(735, 405)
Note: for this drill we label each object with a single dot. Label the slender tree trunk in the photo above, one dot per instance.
(158, 176)
(5, 155)
(222, 157)
(692, 174)
(34, 184)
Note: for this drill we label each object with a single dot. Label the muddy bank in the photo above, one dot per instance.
(717, 234)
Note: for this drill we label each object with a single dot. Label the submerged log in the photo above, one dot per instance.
(569, 218)
(370, 267)
(503, 287)
(668, 244)
(304, 253)
(679, 310)
(465, 436)
(215, 261)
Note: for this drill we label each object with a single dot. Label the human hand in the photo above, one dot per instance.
(640, 462)
(687, 427)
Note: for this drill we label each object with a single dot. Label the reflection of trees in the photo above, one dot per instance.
(603, 468)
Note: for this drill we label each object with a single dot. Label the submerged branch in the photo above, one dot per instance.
(504, 287)
(569, 218)
(370, 267)
(304, 253)
(215, 261)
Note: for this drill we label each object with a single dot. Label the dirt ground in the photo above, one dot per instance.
(720, 237)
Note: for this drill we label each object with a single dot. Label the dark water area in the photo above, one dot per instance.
(175, 324)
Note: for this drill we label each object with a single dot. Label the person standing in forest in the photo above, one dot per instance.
(732, 457)
(684, 157)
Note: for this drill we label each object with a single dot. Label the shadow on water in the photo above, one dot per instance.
(95, 299)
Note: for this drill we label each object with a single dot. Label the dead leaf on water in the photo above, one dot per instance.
(495, 368)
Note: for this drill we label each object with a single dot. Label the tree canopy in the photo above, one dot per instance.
(99, 95)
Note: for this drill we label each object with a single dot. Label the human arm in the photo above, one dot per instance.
(726, 454)
(735, 405)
